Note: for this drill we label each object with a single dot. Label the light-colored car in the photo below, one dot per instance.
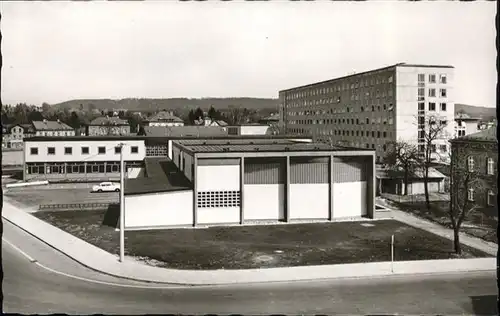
(106, 187)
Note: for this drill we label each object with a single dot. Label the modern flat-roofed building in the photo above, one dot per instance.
(97, 158)
(214, 182)
(372, 108)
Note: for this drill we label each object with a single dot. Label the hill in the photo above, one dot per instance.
(180, 104)
(481, 112)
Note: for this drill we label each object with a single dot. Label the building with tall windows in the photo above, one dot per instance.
(373, 108)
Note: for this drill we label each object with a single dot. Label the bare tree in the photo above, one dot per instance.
(433, 129)
(402, 156)
(465, 184)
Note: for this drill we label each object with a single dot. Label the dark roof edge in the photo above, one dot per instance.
(364, 73)
(157, 191)
(134, 137)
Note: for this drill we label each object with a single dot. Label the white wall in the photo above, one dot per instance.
(263, 201)
(218, 178)
(309, 201)
(77, 152)
(349, 199)
(189, 161)
(159, 209)
(169, 149)
(253, 129)
(135, 173)
(214, 215)
(407, 103)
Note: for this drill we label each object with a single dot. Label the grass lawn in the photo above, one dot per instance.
(482, 224)
(244, 247)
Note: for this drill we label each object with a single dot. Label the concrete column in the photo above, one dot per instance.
(371, 186)
(287, 189)
(242, 187)
(331, 184)
(195, 192)
(105, 166)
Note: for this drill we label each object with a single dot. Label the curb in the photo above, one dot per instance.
(101, 261)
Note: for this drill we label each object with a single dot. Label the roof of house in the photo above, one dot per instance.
(111, 120)
(399, 174)
(272, 117)
(366, 72)
(465, 117)
(183, 131)
(218, 122)
(51, 126)
(162, 175)
(164, 116)
(487, 135)
(259, 147)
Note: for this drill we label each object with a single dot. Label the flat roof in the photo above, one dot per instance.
(243, 148)
(156, 138)
(232, 142)
(364, 73)
(162, 176)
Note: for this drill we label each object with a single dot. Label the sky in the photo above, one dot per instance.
(56, 51)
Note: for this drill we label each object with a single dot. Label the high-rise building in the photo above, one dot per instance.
(373, 108)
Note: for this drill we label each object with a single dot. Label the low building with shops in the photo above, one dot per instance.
(97, 158)
(213, 181)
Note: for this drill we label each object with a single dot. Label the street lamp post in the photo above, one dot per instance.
(122, 205)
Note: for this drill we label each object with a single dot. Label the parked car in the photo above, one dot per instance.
(106, 187)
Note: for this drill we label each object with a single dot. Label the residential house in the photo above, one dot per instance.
(465, 125)
(476, 154)
(164, 118)
(52, 128)
(13, 134)
(107, 126)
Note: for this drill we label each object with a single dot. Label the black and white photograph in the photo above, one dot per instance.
(249, 157)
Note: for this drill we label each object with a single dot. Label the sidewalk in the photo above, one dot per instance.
(102, 261)
(488, 247)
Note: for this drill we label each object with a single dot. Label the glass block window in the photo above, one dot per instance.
(219, 199)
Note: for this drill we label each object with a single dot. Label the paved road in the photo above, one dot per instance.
(31, 288)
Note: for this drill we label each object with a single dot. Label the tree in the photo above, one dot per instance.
(198, 116)
(402, 156)
(463, 179)
(431, 129)
(212, 113)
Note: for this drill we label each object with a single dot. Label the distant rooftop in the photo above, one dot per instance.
(182, 131)
(366, 72)
(164, 116)
(465, 117)
(111, 120)
(51, 126)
